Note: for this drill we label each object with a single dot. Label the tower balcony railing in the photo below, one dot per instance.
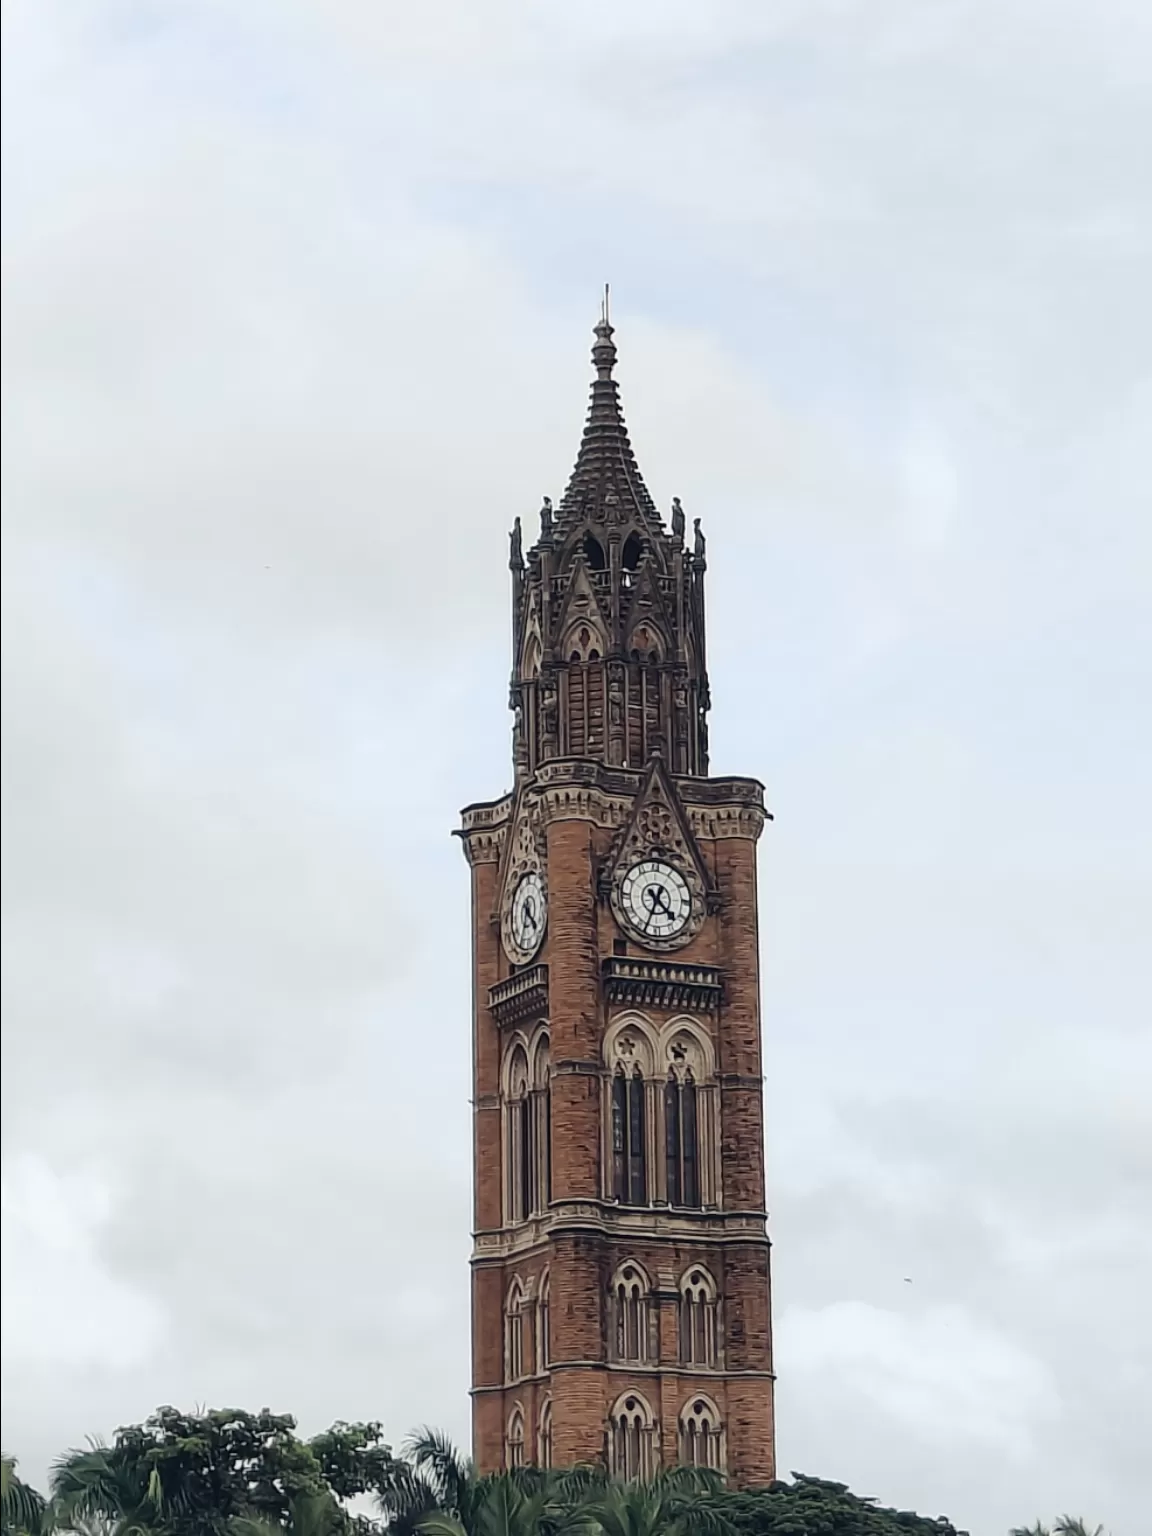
(520, 995)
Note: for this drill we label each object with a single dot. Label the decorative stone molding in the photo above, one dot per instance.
(662, 984)
(523, 995)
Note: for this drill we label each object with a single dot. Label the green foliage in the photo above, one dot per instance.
(1066, 1525)
(810, 1506)
(25, 1511)
(232, 1473)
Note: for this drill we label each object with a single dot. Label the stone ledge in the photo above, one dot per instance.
(520, 996)
(662, 984)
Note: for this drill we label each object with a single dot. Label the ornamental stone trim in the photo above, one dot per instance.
(662, 984)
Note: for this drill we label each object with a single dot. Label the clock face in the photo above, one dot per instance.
(656, 900)
(528, 914)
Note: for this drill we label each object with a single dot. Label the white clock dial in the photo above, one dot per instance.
(528, 913)
(656, 900)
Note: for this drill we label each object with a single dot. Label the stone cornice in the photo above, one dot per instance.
(648, 1224)
(661, 984)
(576, 788)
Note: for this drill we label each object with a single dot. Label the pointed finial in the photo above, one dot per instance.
(604, 352)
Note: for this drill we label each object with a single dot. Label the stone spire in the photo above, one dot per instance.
(606, 484)
(608, 612)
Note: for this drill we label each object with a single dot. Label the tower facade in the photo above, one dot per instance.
(620, 1275)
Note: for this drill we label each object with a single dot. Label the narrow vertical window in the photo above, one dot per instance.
(526, 1201)
(629, 1306)
(547, 1145)
(516, 1439)
(544, 1443)
(681, 1141)
(689, 1140)
(620, 1137)
(699, 1342)
(543, 1325)
(672, 1139)
(637, 1172)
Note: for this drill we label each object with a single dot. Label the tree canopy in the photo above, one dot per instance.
(228, 1472)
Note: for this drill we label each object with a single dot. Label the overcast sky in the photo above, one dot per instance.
(298, 300)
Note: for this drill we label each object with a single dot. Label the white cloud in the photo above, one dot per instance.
(297, 306)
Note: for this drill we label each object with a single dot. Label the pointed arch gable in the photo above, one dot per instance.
(516, 1073)
(686, 1035)
(632, 1040)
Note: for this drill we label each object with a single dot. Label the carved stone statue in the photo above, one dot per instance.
(698, 548)
(677, 519)
(546, 518)
(516, 539)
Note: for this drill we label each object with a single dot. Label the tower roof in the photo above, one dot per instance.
(606, 474)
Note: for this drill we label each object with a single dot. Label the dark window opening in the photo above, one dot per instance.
(593, 553)
(681, 1142)
(633, 549)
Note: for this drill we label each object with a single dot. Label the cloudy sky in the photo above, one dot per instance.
(298, 297)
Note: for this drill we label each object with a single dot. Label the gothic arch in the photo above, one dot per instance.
(544, 1323)
(684, 1042)
(631, 1436)
(690, 1115)
(632, 1040)
(630, 1313)
(515, 1441)
(533, 655)
(544, 1435)
(701, 1433)
(699, 1317)
(646, 642)
(541, 1045)
(514, 1311)
(583, 641)
(527, 1124)
(516, 1075)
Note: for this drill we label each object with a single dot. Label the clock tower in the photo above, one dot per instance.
(620, 1280)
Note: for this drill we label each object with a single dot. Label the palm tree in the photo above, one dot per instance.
(97, 1491)
(25, 1511)
(673, 1503)
(310, 1514)
(1066, 1525)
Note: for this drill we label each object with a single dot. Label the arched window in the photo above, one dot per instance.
(528, 1132)
(682, 1140)
(542, 1117)
(583, 682)
(515, 1456)
(629, 1309)
(593, 553)
(543, 1325)
(544, 1435)
(701, 1435)
(514, 1332)
(643, 691)
(518, 1139)
(633, 549)
(630, 1435)
(629, 1162)
(699, 1341)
